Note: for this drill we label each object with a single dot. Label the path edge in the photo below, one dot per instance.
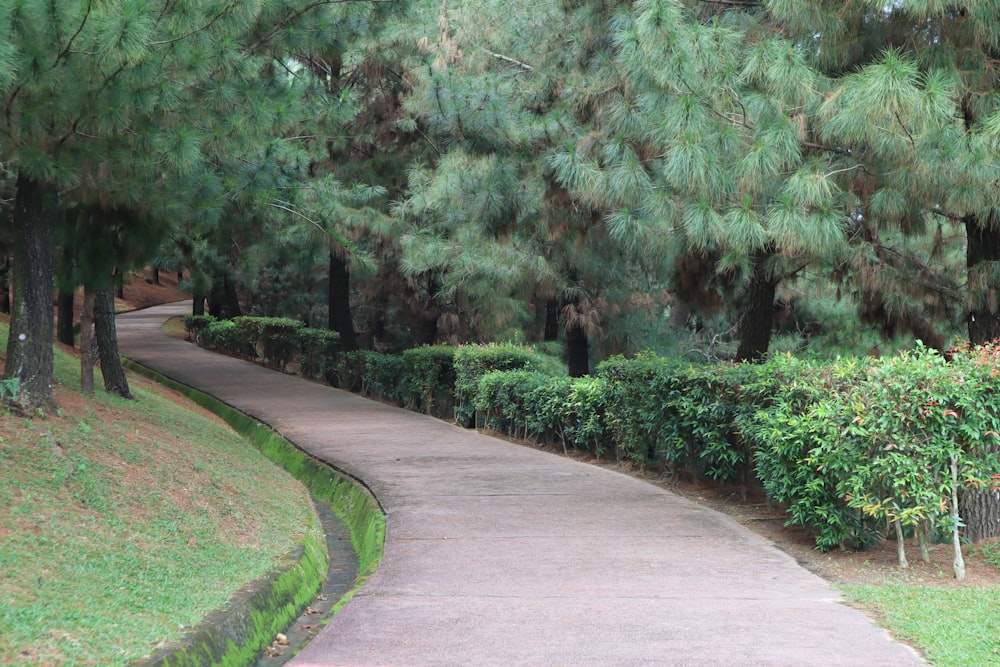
(237, 633)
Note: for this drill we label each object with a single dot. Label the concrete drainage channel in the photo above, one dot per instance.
(340, 577)
(299, 598)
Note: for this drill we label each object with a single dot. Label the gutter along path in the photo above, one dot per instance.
(498, 554)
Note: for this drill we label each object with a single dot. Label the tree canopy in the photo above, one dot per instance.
(609, 175)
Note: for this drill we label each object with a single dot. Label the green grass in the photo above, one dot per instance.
(350, 501)
(953, 628)
(128, 522)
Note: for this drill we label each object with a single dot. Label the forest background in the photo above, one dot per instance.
(704, 180)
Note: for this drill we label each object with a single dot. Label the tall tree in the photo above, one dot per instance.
(490, 227)
(97, 95)
(694, 146)
(911, 108)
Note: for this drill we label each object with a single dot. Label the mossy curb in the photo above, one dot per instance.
(236, 634)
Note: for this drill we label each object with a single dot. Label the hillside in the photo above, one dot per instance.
(129, 521)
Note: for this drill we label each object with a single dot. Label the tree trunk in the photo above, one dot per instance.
(339, 317)
(232, 298)
(758, 316)
(115, 381)
(577, 351)
(156, 276)
(198, 304)
(64, 319)
(551, 320)
(958, 563)
(982, 250)
(981, 509)
(29, 346)
(87, 349)
(980, 514)
(5, 265)
(215, 300)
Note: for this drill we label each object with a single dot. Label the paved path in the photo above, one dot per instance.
(502, 555)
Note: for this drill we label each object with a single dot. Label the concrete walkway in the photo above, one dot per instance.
(502, 555)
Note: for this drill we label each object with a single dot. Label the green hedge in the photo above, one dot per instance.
(850, 446)
(224, 335)
(857, 445)
(472, 362)
(384, 377)
(320, 350)
(429, 374)
(795, 413)
(194, 325)
(279, 340)
(676, 413)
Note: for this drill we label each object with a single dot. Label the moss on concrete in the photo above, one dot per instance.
(236, 634)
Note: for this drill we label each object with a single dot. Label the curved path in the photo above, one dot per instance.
(502, 555)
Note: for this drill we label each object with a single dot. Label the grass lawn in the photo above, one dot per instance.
(126, 522)
(954, 628)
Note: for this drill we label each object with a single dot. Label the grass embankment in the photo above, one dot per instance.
(125, 523)
(349, 499)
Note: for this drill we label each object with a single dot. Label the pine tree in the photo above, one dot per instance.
(492, 230)
(101, 98)
(694, 148)
(911, 106)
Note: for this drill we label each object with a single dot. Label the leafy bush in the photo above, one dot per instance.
(853, 446)
(383, 377)
(350, 371)
(430, 379)
(223, 335)
(320, 352)
(279, 339)
(195, 324)
(797, 412)
(633, 406)
(915, 416)
(474, 361)
(249, 329)
(9, 388)
(569, 411)
(503, 401)
(675, 412)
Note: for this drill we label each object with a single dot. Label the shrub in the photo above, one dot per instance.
(320, 352)
(279, 339)
(225, 335)
(350, 371)
(797, 421)
(569, 411)
(195, 324)
(914, 417)
(474, 361)
(502, 401)
(633, 414)
(430, 379)
(582, 414)
(249, 330)
(383, 376)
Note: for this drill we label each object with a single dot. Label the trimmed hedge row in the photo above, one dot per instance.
(275, 340)
(853, 447)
